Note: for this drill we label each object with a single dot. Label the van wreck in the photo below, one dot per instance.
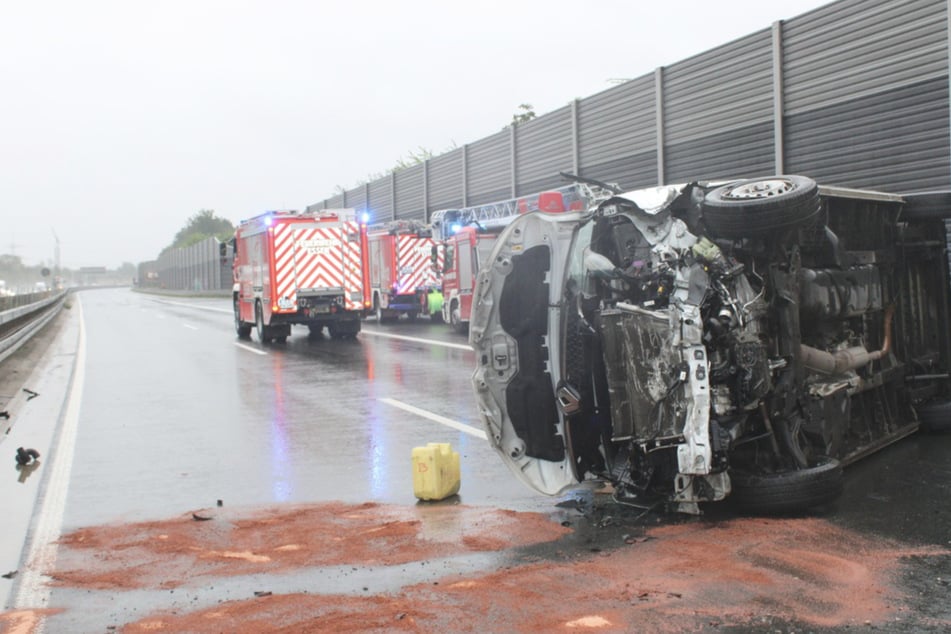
(697, 342)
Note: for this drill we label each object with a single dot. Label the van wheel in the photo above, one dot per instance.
(760, 206)
(787, 491)
(935, 417)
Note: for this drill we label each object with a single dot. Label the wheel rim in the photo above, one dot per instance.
(760, 189)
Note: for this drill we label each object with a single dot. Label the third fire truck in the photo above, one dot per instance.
(467, 235)
(300, 268)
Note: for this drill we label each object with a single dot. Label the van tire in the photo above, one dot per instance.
(760, 206)
(787, 491)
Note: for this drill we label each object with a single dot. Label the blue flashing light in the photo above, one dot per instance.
(365, 217)
(456, 227)
(268, 220)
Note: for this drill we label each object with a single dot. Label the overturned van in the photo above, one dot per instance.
(700, 342)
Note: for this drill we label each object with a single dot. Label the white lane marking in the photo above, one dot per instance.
(250, 349)
(34, 591)
(229, 311)
(433, 342)
(442, 420)
(190, 326)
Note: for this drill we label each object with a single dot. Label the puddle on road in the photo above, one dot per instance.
(697, 574)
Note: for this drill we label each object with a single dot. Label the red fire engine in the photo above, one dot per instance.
(467, 236)
(300, 268)
(403, 278)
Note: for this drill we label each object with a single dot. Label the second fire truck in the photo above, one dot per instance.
(403, 277)
(300, 268)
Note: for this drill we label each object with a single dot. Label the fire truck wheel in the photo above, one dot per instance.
(455, 317)
(243, 329)
(344, 329)
(263, 335)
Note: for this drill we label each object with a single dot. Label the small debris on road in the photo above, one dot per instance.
(32, 394)
(10, 575)
(262, 593)
(5, 415)
(200, 518)
(26, 456)
(220, 503)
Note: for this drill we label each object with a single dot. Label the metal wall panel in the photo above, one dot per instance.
(862, 90)
(357, 198)
(543, 148)
(738, 153)
(490, 169)
(848, 49)
(445, 181)
(409, 193)
(380, 204)
(335, 202)
(895, 140)
(630, 172)
(617, 132)
(723, 89)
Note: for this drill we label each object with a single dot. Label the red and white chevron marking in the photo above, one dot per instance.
(317, 258)
(414, 262)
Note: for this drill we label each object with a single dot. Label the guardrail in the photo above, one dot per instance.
(22, 316)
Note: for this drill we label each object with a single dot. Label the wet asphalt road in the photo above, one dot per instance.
(176, 413)
(201, 416)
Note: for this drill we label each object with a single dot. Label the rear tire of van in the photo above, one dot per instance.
(787, 491)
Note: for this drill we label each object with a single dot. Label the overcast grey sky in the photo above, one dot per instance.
(121, 119)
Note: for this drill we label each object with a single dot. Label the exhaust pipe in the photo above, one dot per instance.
(849, 359)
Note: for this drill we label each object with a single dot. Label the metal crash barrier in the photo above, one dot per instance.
(22, 316)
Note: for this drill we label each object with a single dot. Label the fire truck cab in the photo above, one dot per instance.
(300, 268)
